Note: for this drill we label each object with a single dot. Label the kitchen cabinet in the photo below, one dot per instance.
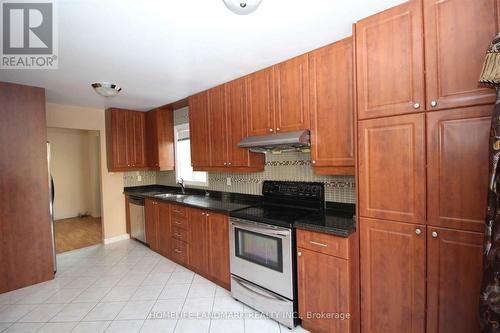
(160, 139)
(163, 227)
(325, 282)
(151, 223)
(125, 140)
(291, 82)
(179, 221)
(25, 236)
(457, 167)
(393, 287)
(260, 102)
(454, 271)
(392, 168)
(452, 76)
(332, 108)
(217, 126)
(390, 62)
(218, 243)
(198, 241)
(199, 130)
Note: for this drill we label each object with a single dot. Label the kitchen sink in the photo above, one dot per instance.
(170, 196)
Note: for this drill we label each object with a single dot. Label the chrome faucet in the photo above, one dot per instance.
(181, 183)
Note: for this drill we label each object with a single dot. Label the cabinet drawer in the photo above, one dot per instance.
(179, 233)
(327, 244)
(179, 222)
(179, 251)
(179, 211)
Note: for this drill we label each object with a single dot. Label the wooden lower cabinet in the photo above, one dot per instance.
(218, 244)
(392, 258)
(151, 223)
(163, 227)
(454, 270)
(198, 240)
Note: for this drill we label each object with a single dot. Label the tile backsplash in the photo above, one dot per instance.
(287, 166)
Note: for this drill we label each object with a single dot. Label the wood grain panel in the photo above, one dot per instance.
(392, 277)
(392, 168)
(217, 125)
(454, 269)
(199, 130)
(324, 243)
(331, 105)
(456, 32)
(218, 243)
(164, 231)
(260, 102)
(458, 159)
(198, 241)
(25, 228)
(390, 62)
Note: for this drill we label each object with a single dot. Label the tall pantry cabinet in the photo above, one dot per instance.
(423, 129)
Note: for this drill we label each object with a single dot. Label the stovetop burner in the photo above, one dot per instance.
(284, 203)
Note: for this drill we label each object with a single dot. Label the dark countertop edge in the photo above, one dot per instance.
(325, 230)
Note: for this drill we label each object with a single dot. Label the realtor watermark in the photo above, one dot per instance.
(29, 34)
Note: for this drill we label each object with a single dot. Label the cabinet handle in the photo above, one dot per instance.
(434, 104)
(319, 244)
(229, 163)
(313, 162)
(277, 129)
(434, 234)
(271, 130)
(203, 213)
(178, 251)
(177, 222)
(299, 254)
(225, 163)
(416, 105)
(177, 234)
(207, 214)
(418, 231)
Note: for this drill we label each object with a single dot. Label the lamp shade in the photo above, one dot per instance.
(106, 89)
(242, 7)
(491, 67)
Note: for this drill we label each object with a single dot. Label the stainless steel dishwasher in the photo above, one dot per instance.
(137, 219)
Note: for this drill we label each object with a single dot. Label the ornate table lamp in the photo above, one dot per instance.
(489, 303)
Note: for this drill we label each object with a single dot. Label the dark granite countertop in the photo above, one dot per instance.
(223, 202)
(337, 219)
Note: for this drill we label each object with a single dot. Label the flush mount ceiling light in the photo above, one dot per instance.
(106, 89)
(242, 7)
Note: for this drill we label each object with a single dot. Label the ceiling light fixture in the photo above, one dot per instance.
(106, 89)
(242, 7)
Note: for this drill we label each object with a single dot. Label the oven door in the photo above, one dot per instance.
(262, 254)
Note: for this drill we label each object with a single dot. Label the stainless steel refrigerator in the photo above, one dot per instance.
(51, 208)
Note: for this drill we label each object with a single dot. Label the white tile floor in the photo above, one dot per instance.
(125, 287)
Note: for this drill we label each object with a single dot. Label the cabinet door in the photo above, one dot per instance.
(291, 81)
(458, 159)
(392, 277)
(164, 233)
(260, 102)
(152, 139)
(198, 241)
(331, 104)
(218, 128)
(390, 64)
(116, 139)
(136, 139)
(165, 139)
(236, 123)
(151, 210)
(218, 240)
(452, 70)
(318, 273)
(392, 168)
(199, 132)
(454, 270)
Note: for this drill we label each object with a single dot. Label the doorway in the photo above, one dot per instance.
(75, 169)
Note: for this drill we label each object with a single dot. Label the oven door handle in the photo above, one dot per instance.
(258, 291)
(262, 230)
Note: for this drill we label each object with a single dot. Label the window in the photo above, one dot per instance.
(183, 168)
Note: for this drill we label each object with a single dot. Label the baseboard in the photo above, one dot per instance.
(116, 239)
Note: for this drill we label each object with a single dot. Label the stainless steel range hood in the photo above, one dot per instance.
(281, 142)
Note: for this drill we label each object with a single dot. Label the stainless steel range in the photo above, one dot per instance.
(262, 241)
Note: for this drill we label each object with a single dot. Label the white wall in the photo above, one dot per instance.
(73, 153)
(112, 199)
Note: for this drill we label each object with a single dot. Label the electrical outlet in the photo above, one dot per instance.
(228, 181)
(139, 178)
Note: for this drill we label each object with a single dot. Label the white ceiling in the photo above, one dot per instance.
(160, 51)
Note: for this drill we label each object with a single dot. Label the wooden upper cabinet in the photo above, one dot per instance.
(392, 277)
(331, 105)
(160, 139)
(316, 273)
(390, 62)
(291, 81)
(199, 132)
(454, 270)
(457, 33)
(125, 139)
(458, 160)
(217, 126)
(260, 102)
(218, 240)
(392, 168)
